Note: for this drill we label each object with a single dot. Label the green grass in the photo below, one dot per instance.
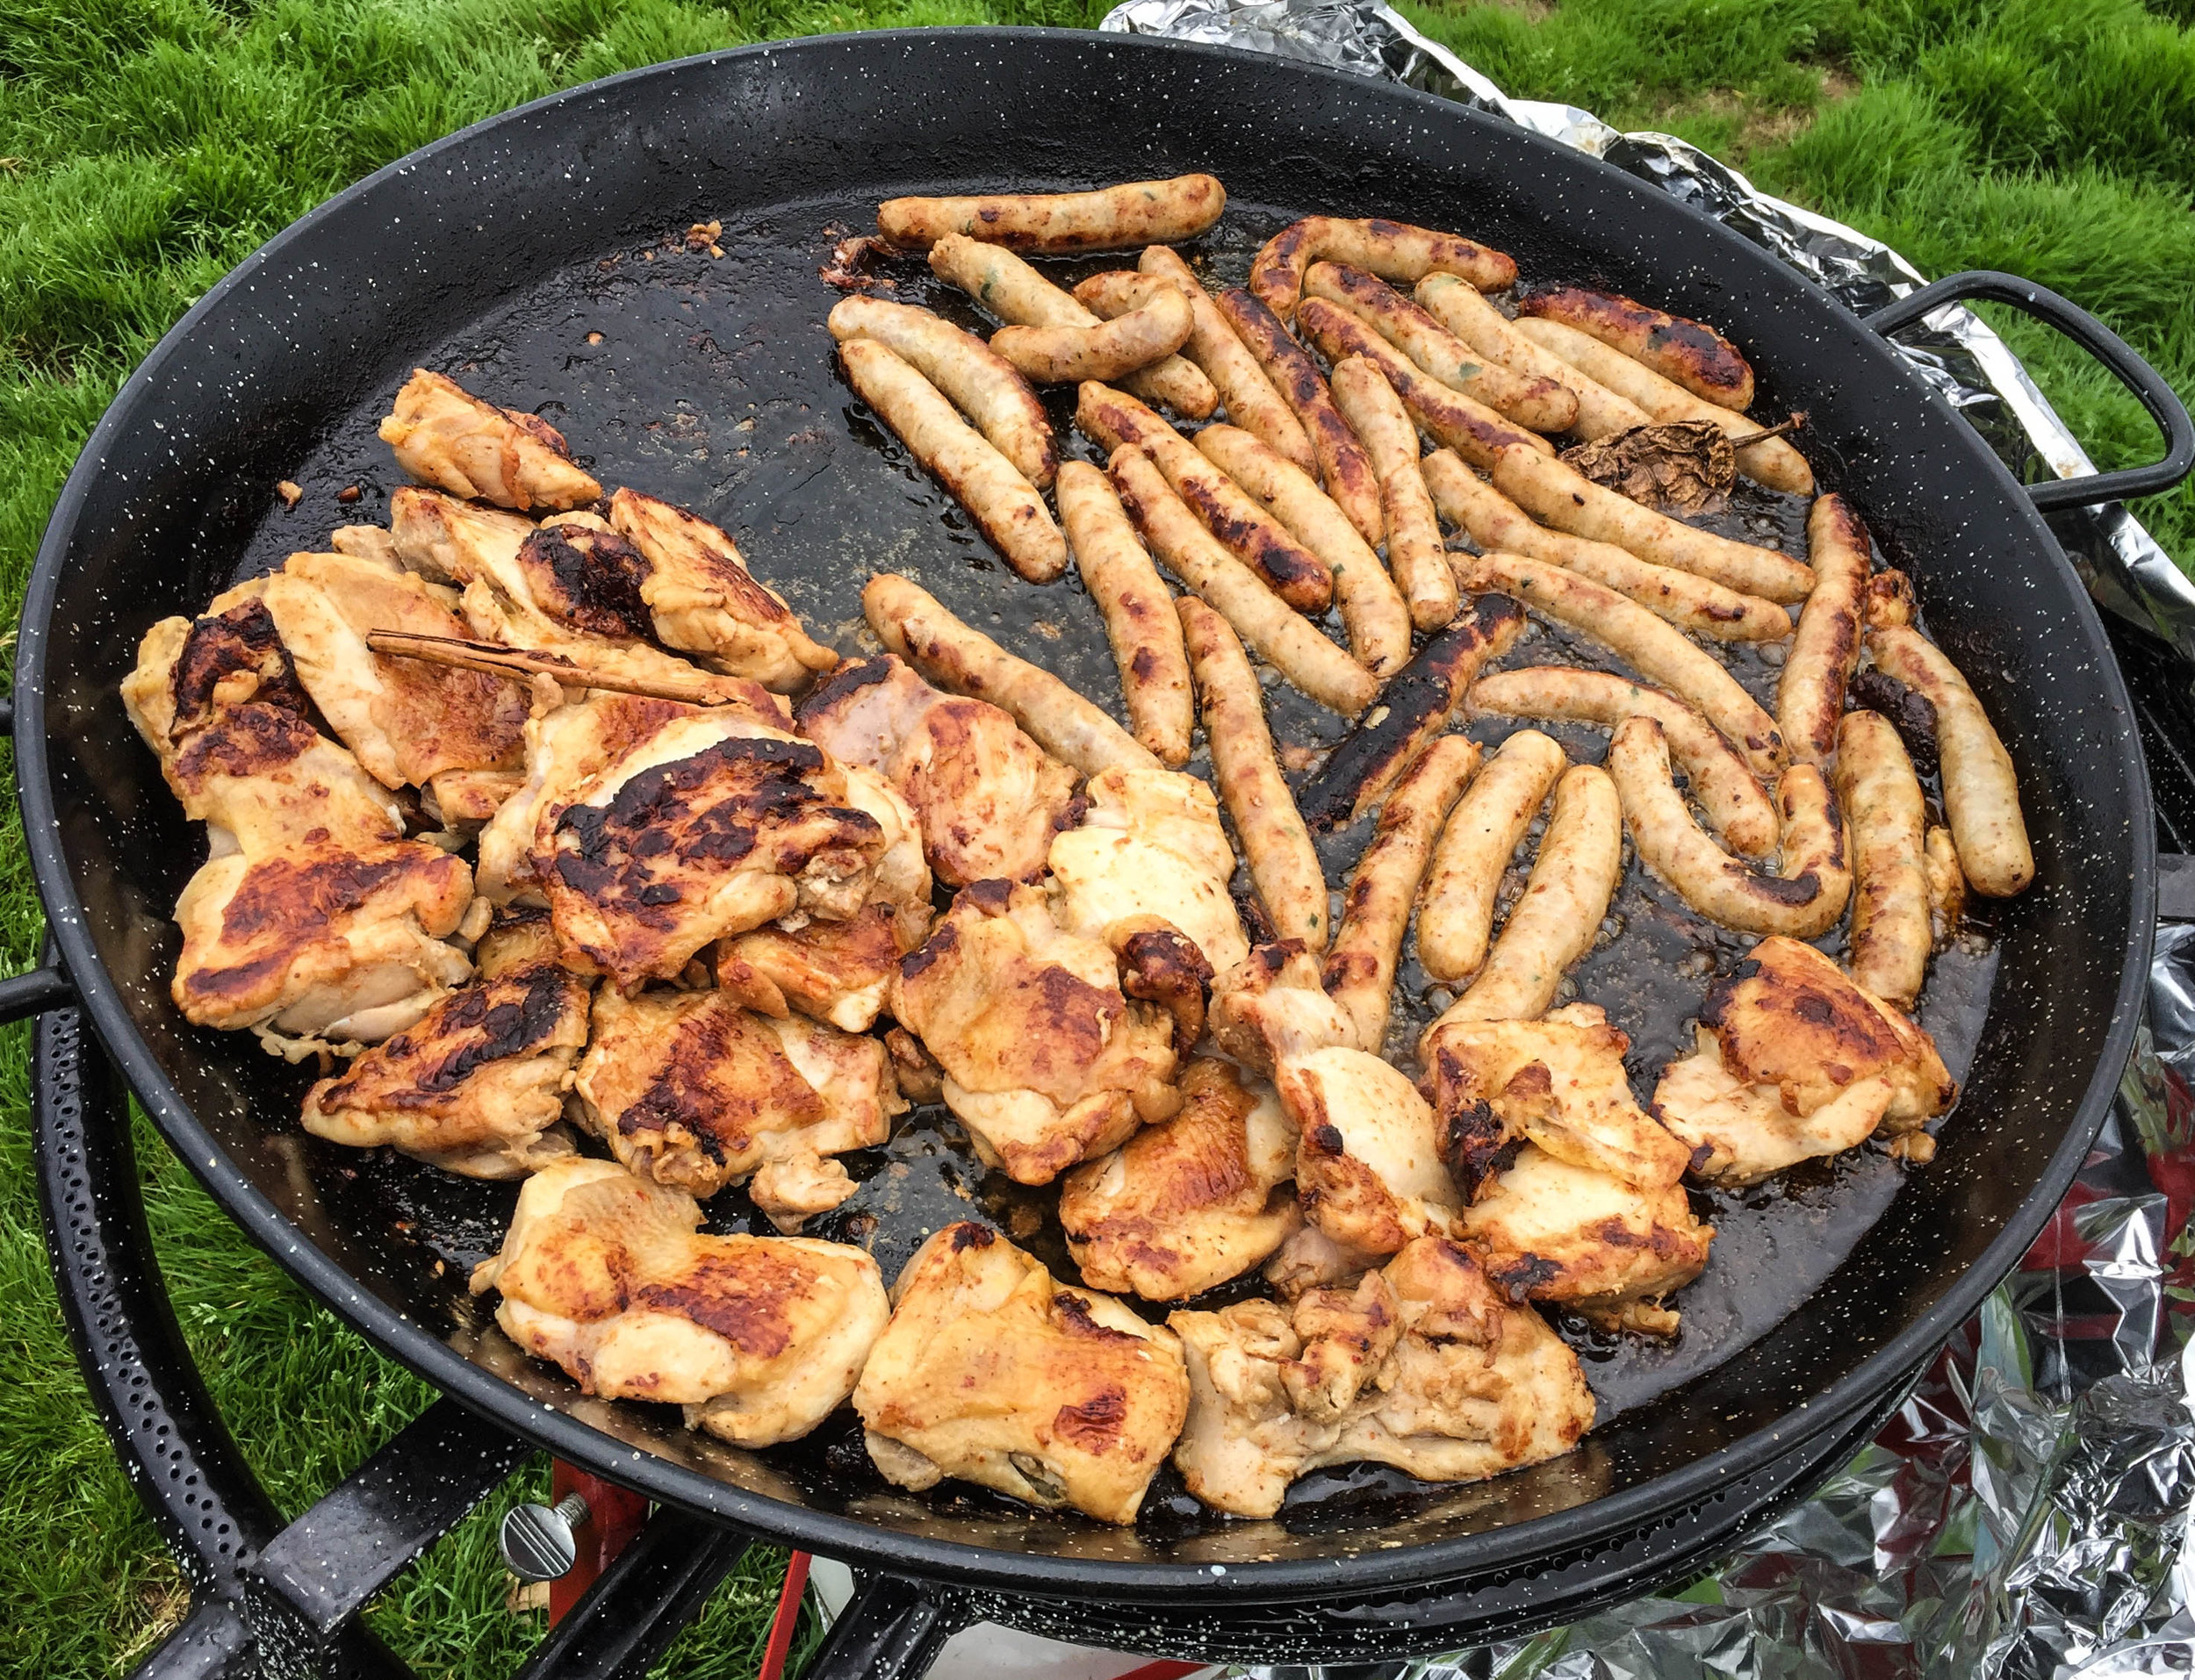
(146, 146)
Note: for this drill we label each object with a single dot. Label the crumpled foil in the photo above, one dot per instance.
(2025, 1513)
(1953, 348)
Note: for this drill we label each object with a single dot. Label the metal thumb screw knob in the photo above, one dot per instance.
(537, 1541)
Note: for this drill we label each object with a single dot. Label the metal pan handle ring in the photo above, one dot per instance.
(2170, 413)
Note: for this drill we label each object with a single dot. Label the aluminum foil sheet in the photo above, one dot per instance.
(2025, 1514)
(1953, 348)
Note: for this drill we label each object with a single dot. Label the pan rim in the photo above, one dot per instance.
(414, 1344)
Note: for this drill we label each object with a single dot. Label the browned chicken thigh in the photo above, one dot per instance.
(992, 1373)
(1150, 844)
(759, 1338)
(446, 436)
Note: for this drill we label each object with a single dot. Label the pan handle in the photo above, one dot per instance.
(2057, 495)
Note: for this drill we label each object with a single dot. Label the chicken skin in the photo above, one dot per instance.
(1150, 844)
(444, 435)
(1186, 1204)
(992, 1373)
(1796, 1060)
(1422, 1365)
(1559, 1081)
(477, 1086)
(759, 1338)
(988, 798)
(691, 1090)
(312, 920)
(1046, 1059)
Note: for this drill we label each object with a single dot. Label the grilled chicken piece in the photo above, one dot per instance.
(606, 1275)
(1796, 1060)
(988, 798)
(1186, 1204)
(1422, 1365)
(1545, 1229)
(1559, 1081)
(992, 1373)
(1367, 1165)
(313, 918)
(497, 559)
(444, 435)
(708, 825)
(691, 1090)
(1150, 844)
(476, 1086)
(1046, 1061)
(702, 598)
(409, 722)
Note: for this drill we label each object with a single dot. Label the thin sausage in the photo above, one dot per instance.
(1250, 399)
(1887, 951)
(1344, 467)
(1468, 427)
(1414, 552)
(1688, 352)
(1529, 399)
(1802, 900)
(1006, 506)
(1372, 609)
(1155, 328)
(1493, 521)
(1811, 692)
(1139, 612)
(1017, 293)
(1134, 212)
(1283, 637)
(1557, 918)
(1724, 788)
(1772, 462)
(1642, 640)
(1456, 909)
(1558, 494)
(1981, 792)
(1947, 884)
(1392, 250)
(1283, 862)
(909, 621)
(1360, 969)
(977, 380)
(1464, 310)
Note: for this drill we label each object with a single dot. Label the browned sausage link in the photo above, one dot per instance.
(1156, 327)
(1392, 250)
(1416, 555)
(1471, 428)
(1344, 468)
(980, 383)
(1694, 355)
(1360, 970)
(1139, 612)
(1529, 399)
(1888, 819)
(1252, 402)
(1811, 692)
(1136, 212)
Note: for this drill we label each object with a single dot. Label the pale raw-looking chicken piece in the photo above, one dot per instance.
(1047, 1060)
(1186, 1204)
(477, 1086)
(1544, 1230)
(409, 722)
(1796, 1060)
(444, 435)
(1150, 844)
(1559, 1081)
(710, 825)
(1368, 1166)
(701, 600)
(1420, 1365)
(500, 560)
(691, 1090)
(313, 920)
(841, 972)
(992, 1373)
(760, 1339)
(989, 799)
